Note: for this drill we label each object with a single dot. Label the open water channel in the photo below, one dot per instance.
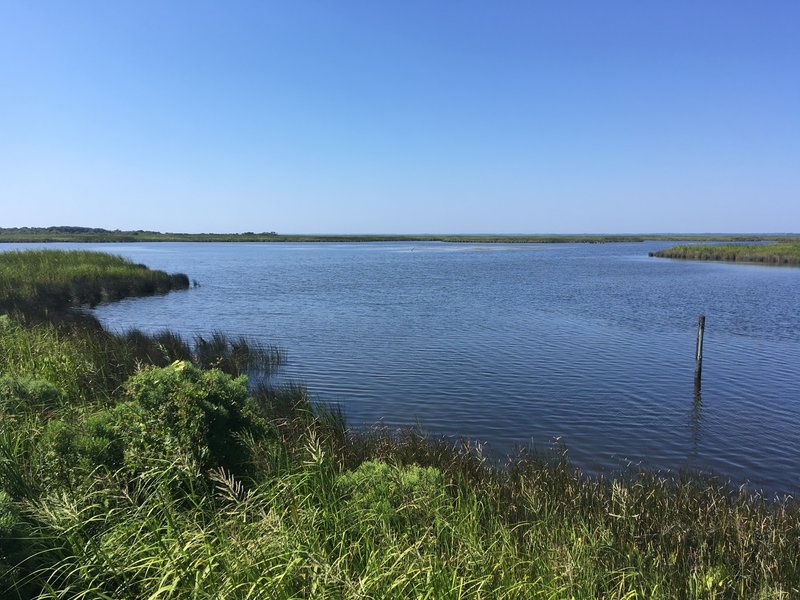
(587, 346)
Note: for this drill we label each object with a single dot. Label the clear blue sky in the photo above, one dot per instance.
(401, 117)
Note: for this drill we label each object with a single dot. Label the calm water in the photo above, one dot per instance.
(588, 345)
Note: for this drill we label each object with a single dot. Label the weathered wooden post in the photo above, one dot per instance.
(698, 355)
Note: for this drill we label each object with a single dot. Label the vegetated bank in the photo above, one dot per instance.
(786, 253)
(136, 466)
(57, 279)
(99, 235)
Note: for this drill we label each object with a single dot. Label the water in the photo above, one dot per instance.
(589, 346)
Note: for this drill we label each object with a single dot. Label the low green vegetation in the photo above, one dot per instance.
(786, 253)
(57, 279)
(88, 234)
(137, 466)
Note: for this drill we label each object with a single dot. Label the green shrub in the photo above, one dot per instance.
(72, 447)
(185, 410)
(167, 413)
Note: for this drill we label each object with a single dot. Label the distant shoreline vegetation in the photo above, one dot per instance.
(782, 253)
(99, 235)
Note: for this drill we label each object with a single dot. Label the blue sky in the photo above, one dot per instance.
(401, 117)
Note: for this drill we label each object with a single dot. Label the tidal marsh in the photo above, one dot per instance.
(787, 253)
(58, 279)
(98, 235)
(137, 466)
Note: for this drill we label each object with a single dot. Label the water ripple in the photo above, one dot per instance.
(592, 343)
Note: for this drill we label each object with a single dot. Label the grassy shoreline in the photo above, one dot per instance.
(135, 466)
(787, 253)
(97, 235)
(59, 279)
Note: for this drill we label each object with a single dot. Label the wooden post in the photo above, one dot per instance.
(698, 355)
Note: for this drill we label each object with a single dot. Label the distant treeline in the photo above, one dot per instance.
(94, 234)
(97, 234)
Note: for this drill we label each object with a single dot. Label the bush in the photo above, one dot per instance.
(169, 413)
(183, 410)
(72, 447)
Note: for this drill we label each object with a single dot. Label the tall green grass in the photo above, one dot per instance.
(56, 278)
(385, 529)
(89, 364)
(773, 254)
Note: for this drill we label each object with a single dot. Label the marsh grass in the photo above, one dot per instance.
(311, 529)
(96, 235)
(787, 253)
(56, 278)
(142, 466)
(88, 364)
(42, 337)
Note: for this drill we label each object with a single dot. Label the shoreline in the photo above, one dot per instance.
(775, 254)
(92, 235)
(136, 459)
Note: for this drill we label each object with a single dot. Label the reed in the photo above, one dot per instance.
(55, 279)
(97, 235)
(88, 364)
(309, 528)
(770, 254)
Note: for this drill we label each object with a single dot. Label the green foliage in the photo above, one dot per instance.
(12, 531)
(400, 497)
(19, 395)
(72, 448)
(88, 364)
(178, 410)
(88, 234)
(33, 279)
(45, 352)
(236, 356)
(181, 409)
(8, 519)
(786, 253)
